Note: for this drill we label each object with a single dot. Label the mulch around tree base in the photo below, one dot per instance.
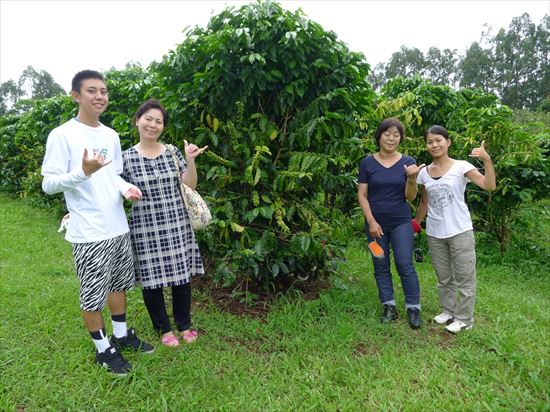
(251, 299)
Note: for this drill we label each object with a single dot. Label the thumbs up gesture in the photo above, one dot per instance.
(480, 152)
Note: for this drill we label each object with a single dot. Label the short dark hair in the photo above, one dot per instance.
(151, 104)
(385, 125)
(436, 129)
(85, 75)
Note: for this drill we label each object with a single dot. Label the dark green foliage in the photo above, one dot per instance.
(277, 99)
(23, 142)
(128, 88)
(544, 106)
(519, 152)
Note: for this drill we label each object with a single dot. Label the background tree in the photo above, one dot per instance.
(542, 52)
(437, 66)
(38, 84)
(441, 66)
(513, 64)
(516, 65)
(476, 70)
(377, 77)
(32, 84)
(407, 62)
(9, 95)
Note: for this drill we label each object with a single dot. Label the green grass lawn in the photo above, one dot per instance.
(328, 354)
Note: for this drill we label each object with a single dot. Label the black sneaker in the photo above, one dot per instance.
(418, 255)
(389, 314)
(113, 361)
(413, 315)
(131, 341)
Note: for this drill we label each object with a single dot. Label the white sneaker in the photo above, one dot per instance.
(443, 318)
(457, 326)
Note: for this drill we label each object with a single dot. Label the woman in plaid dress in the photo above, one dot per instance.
(165, 249)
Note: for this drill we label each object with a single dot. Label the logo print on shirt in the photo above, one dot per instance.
(103, 152)
(441, 196)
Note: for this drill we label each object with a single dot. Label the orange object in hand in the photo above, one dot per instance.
(376, 250)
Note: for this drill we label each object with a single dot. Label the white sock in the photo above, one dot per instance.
(101, 344)
(119, 329)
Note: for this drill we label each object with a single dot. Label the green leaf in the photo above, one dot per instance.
(267, 211)
(237, 228)
(305, 242)
(257, 176)
(251, 215)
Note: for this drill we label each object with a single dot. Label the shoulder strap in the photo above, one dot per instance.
(172, 151)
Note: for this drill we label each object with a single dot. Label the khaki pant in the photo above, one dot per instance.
(454, 262)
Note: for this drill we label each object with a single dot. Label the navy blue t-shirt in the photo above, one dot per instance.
(386, 190)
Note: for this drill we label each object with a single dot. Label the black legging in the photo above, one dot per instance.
(181, 307)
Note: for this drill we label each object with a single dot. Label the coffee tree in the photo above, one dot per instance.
(278, 100)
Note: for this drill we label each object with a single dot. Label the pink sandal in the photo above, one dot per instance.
(189, 335)
(169, 339)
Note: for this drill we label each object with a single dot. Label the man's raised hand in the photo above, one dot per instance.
(92, 165)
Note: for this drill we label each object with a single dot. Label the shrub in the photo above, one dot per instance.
(518, 151)
(278, 100)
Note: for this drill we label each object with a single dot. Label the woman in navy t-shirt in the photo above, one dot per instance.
(387, 180)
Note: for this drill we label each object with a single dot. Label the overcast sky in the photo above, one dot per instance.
(63, 37)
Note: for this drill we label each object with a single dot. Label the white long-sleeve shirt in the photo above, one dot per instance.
(95, 202)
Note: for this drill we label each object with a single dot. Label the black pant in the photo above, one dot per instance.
(181, 307)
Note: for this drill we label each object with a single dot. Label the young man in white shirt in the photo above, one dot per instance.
(83, 160)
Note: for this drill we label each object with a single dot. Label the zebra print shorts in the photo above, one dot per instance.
(102, 267)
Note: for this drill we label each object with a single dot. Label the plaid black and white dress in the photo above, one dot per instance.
(165, 250)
